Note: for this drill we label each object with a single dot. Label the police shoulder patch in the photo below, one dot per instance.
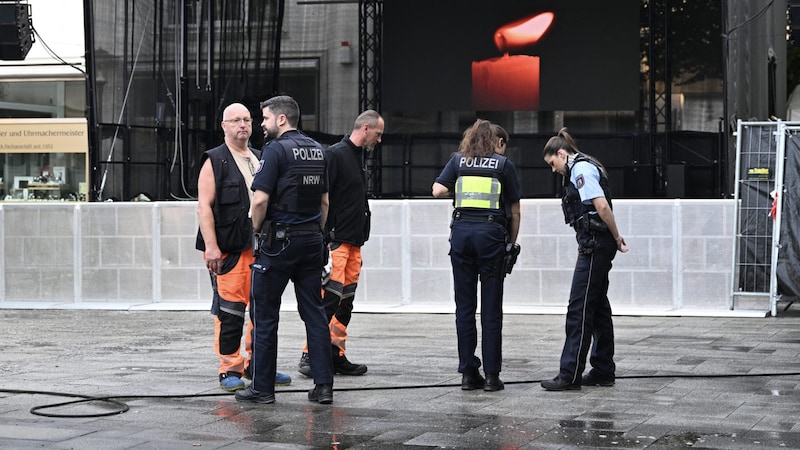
(260, 165)
(579, 181)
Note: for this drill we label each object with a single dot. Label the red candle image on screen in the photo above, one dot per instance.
(511, 83)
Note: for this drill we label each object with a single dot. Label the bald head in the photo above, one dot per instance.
(237, 125)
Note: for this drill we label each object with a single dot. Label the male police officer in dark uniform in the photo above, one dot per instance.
(290, 205)
(484, 228)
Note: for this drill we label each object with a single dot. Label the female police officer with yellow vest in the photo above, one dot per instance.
(485, 220)
(587, 209)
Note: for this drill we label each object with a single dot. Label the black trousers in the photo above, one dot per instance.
(476, 249)
(589, 323)
(298, 259)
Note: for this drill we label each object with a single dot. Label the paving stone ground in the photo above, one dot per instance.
(683, 382)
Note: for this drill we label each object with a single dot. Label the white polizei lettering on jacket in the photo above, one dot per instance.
(307, 154)
(486, 163)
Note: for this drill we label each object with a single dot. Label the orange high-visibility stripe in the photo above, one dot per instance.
(338, 335)
(345, 271)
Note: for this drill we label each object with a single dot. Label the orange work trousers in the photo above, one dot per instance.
(339, 292)
(229, 307)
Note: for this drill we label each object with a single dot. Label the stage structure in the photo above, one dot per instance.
(159, 81)
(160, 72)
(370, 31)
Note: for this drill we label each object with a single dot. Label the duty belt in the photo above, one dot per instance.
(590, 222)
(460, 215)
(297, 228)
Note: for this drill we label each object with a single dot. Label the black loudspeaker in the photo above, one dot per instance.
(638, 181)
(16, 31)
(676, 181)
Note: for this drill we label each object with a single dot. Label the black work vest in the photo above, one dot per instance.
(571, 203)
(232, 223)
(300, 185)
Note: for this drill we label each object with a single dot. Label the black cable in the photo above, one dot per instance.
(53, 53)
(84, 398)
(755, 17)
(122, 407)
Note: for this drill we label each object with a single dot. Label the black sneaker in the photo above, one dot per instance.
(560, 384)
(322, 393)
(592, 380)
(251, 395)
(304, 366)
(344, 367)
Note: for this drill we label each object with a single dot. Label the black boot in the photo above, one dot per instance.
(342, 366)
(472, 380)
(322, 393)
(493, 383)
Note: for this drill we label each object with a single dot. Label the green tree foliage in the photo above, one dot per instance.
(696, 40)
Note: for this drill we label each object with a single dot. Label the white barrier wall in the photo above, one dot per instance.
(141, 255)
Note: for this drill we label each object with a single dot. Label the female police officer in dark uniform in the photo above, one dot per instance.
(485, 220)
(587, 209)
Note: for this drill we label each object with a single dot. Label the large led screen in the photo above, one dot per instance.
(510, 55)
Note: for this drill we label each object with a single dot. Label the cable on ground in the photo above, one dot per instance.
(121, 407)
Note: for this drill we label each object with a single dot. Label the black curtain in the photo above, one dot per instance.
(788, 267)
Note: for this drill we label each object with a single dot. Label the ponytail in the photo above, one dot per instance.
(564, 141)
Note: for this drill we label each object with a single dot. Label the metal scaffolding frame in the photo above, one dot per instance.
(660, 86)
(759, 173)
(370, 27)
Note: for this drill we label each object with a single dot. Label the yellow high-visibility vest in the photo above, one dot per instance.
(477, 192)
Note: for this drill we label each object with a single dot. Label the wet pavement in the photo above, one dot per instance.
(683, 382)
